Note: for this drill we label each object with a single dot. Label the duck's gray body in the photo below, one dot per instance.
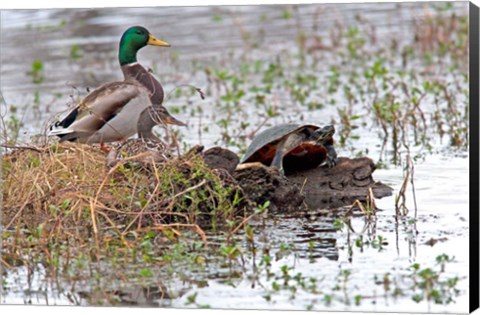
(110, 113)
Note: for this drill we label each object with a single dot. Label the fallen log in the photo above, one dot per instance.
(317, 188)
(341, 185)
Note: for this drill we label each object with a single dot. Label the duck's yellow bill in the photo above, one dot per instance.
(156, 42)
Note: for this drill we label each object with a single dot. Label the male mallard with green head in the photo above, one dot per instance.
(111, 112)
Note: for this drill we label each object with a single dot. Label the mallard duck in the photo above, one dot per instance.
(110, 112)
(147, 145)
(149, 118)
(131, 42)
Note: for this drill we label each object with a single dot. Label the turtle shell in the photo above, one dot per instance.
(263, 147)
(309, 154)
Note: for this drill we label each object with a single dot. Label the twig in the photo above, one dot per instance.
(5, 263)
(23, 206)
(140, 213)
(413, 191)
(371, 199)
(203, 182)
(401, 193)
(22, 147)
(240, 225)
(197, 228)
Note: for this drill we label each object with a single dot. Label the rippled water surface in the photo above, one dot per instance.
(78, 48)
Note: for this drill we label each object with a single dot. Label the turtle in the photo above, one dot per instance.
(292, 147)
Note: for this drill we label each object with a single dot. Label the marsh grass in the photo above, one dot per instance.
(409, 89)
(66, 193)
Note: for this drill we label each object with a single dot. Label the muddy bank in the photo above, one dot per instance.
(316, 188)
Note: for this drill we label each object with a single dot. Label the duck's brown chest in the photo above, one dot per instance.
(144, 77)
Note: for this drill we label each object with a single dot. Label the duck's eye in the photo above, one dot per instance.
(139, 32)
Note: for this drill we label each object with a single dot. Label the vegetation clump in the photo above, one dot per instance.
(69, 187)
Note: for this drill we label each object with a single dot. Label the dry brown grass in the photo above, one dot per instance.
(69, 210)
(69, 187)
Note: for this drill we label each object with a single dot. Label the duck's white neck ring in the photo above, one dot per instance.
(132, 64)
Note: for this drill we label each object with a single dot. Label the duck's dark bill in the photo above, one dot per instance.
(173, 121)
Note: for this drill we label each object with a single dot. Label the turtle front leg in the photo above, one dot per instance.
(287, 144)
(331, 156)
(278, 158)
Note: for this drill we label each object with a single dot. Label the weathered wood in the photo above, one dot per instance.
(341, 185)
(261, 183)
(317, 188)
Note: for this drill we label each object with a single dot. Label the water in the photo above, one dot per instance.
(220, 36)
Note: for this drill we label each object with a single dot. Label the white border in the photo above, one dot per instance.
(44, 4)
(54, 310)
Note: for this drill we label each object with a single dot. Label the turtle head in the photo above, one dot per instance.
(135, 38)
(324, 134)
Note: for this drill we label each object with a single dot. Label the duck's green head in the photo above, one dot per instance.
(133, 40)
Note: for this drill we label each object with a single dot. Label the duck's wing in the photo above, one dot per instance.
(96, 110)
